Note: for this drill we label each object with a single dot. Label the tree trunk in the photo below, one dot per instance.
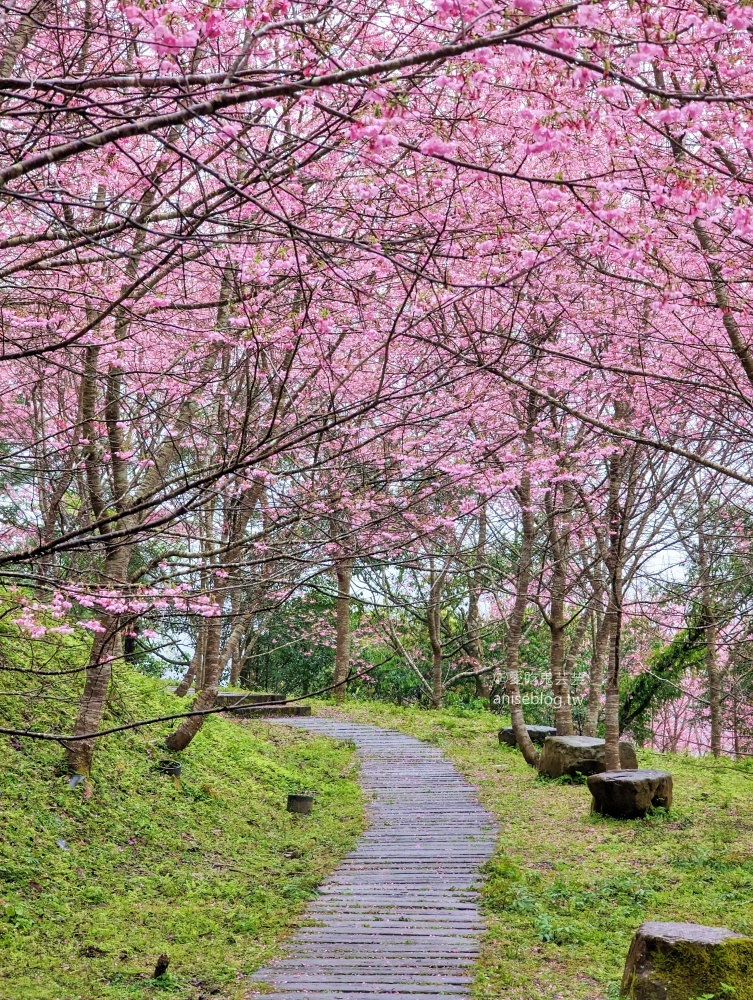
(344, 571)
(234, 643)
(596, 674)
(563, 713)
(715, 690)
(515, 630)
(106, 648)
(710, 634)
(28, 26)
(612, 701)
(475, 587)
(434, 625)
(94, 698)
(614, 615)
(188, 678)
(558, 545)
(188, 728)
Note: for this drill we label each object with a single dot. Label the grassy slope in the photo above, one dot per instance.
(568, 888)
(211, 872)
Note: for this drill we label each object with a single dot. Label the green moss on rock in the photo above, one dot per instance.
(687, 961)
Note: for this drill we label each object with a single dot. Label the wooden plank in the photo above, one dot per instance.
(399, 918)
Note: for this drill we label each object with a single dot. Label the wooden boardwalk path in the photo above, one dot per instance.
(399, 917)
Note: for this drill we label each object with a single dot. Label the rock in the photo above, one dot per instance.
(628, 756)
(682, 961)
(579, 755)
(537, 734)
(629, 794)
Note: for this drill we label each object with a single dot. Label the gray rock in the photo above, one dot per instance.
(629, 794)
(537, 734)
(579, 755)
(679, 961)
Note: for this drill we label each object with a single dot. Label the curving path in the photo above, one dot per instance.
(399, 917)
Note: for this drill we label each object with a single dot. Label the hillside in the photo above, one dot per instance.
(210, 870)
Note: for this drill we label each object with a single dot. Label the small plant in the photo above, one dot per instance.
(725, 990)
(544, 928)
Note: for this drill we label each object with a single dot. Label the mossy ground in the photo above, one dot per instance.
(568, 888)
(211, 870)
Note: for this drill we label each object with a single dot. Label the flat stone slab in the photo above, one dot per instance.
(257, 706)
(580, 755)
(681, 961)
(537, 735)
(248, 698)
(630, 794)
(277, 711)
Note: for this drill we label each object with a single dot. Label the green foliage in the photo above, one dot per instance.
(660, 683)
(285, 658)
(210, 869)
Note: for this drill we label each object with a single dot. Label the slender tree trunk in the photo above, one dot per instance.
(558, 545)
(434, 623)
(476, 583)
(596, 673)
(234, 643)
(612, 700)
(28, 26)
(715, 690)
(710, 635)
(106, 648)
(188, 678)
(563, 713)
(94, 698)
(614, 616)
(515, 629)
(188, 728)
(343, 571)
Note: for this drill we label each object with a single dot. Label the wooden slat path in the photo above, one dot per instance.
(399, 917)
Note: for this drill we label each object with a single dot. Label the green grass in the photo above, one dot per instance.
(568, 888)
(211, 870)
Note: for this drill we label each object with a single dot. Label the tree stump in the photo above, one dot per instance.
(300, 803)
(537, 735)
(630, 794)
(580, 755)
(680, 961)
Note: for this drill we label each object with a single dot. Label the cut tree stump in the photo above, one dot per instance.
(682, 961)
(630, 794)
(580, 755)
(537, 735)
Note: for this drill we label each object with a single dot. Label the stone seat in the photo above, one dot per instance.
(630, 794)
(680, 961)
(580, 755)
(537, 735)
